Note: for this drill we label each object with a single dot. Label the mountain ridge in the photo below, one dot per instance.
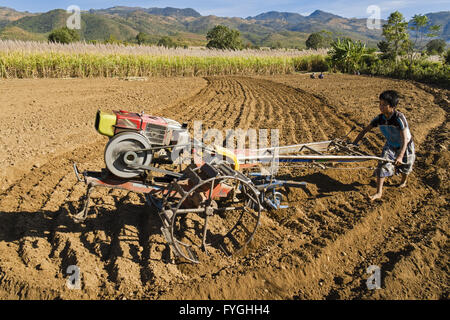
(272, 28)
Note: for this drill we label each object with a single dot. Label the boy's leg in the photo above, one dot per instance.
(403, 182)
(384, 169)
(380, 182)
(409, 158)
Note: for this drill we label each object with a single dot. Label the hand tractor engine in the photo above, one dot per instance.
(136, 137)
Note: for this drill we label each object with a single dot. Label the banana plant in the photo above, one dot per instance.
(347, 55)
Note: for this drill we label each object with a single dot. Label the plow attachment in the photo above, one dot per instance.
(208, 210)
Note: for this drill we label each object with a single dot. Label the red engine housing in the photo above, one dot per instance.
(157, 129)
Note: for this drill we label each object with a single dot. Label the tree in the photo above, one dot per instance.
(276, 45)
(436, 46)
(318, 40)
(384, 47)
(396, 34)
(314, 41)
(421, 27)
(142, 38)
(167, 42)
(221, 37)
(112, 40)
(63, 35)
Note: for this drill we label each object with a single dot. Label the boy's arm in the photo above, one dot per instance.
(399, 158)
(362, 133)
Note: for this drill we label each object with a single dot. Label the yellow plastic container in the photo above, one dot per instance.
(104, 123)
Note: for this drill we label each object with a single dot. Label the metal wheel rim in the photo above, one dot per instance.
(208, 181)
(118, 145)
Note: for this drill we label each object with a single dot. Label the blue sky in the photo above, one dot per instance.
(245, 8)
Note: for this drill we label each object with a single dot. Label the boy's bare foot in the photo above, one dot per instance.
(403, 182)
(375, 196)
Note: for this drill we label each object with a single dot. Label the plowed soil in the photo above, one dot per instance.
(318, 248)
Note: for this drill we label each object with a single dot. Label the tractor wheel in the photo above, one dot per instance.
(211, 226)
(118, 157)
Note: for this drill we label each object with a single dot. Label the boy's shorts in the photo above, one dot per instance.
(387, 169)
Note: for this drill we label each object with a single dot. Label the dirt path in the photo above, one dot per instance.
(318, 248)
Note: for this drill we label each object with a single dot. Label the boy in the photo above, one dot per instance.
(399, 145)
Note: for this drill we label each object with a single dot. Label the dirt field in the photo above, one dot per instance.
(318, 248)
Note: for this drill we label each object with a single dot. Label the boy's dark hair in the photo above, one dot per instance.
(391, 97)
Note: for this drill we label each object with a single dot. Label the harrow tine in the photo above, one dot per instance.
(191, 255)
(77, 173)
(225, 250)
(82, 215)
(205, 230)
(207, 214)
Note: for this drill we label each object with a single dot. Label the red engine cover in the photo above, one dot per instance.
(136, 121)
(127, 120)
(155, 128)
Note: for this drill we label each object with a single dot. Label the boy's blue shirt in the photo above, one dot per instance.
(392, 127)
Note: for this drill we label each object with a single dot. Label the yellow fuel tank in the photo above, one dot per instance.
(104, 123)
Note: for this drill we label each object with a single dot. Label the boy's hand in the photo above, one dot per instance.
(398, 160)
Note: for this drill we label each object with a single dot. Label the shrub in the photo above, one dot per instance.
(316, 63)
(447, 57)
(319, 64)
(436, 46)
(419, 70)
(63, 35)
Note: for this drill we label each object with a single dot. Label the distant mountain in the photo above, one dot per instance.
(323, 16)
(7, 15)
(275, 15)
(272, 28)
(92, 26)
(318, 21)
(172, 12)
(443, 19)
(16, 33)
(42, 23)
